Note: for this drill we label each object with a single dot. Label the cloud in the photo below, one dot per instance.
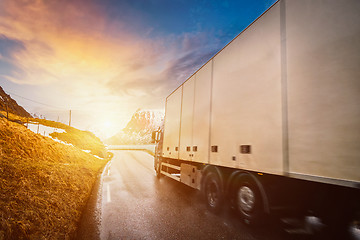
(195, 51)
(176, 65)
(75, 45)
(8, 47)
(83, 58)
(66, 39)
(8, 69)
(181, 68)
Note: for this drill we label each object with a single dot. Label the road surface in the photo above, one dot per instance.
(129, 202)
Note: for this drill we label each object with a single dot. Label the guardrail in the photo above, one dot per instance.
(147, 148)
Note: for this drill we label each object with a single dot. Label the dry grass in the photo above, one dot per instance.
(44, 185)
(13, 117)
(81, 139)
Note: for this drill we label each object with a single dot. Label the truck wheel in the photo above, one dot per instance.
(213, 192)
(247, 200)
(354, 227)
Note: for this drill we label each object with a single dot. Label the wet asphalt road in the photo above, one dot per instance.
(129, 202)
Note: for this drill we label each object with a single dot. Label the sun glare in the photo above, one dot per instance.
(108, 124)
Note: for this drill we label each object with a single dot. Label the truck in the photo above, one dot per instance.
(271, 123)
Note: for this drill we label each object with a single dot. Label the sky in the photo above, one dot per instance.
(104, 59)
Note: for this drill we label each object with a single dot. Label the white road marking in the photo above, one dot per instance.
(108, 171)
(108, 193)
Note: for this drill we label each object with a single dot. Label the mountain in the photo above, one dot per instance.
(139, 128)
(7, 103)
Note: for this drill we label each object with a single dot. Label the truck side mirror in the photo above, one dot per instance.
(153, 136)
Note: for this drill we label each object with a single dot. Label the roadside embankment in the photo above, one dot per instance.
(82, 139)
(44, 185)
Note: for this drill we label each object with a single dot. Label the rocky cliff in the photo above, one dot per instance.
(139, 128)
(9, 104)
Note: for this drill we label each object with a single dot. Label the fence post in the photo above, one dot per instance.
(7, 109)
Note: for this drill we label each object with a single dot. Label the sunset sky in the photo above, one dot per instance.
(103, 59)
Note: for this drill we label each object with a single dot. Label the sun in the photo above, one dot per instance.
(108, 125)
(105, 129)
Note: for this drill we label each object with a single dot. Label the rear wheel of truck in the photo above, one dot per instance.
(213, 192)
(247, 200)
(354, 226)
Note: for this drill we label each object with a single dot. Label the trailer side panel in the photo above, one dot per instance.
(246, 103)
(201, 127)
(172, 124)
(323, 60)
(187, 116)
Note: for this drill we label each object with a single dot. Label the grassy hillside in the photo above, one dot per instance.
(81, 139)
(44, 185)
(7, 103)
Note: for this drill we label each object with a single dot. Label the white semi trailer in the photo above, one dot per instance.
(272, 121)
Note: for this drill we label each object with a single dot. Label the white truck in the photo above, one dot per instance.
(272, 121)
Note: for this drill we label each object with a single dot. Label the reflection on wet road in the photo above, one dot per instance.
(131, 203)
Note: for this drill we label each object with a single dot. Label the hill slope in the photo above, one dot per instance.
(6, 102)
(82, 139)
(44, 185)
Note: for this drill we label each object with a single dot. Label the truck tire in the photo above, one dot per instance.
(354, 226)
(213, 192)
(247, 200)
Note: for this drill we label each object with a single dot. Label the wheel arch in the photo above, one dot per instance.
(237, 173)
(214, 169)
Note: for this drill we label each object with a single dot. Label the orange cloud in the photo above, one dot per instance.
(68, 40)
(82, 60)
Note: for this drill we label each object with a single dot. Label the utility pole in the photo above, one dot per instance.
(7, 109)
(70, 119)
